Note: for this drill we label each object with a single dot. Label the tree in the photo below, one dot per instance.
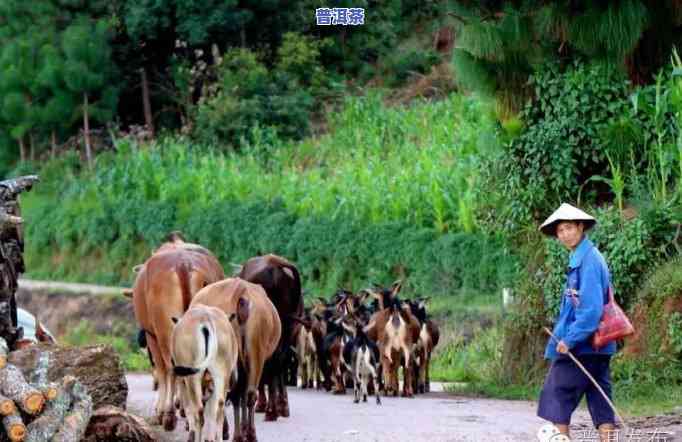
(19, 63)
(89, 72)
(500, 42)
(59, 110)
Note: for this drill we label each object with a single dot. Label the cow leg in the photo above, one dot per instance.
(282, 397)
(159, 379)
(271, 410)
(214, 413)
(169, 419)
(226, 424)
(261, 405)
(251, 427)
(236, 400)
(191, 402)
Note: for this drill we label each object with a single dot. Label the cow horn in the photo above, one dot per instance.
(396, 287)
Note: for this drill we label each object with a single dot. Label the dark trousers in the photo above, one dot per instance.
(566, 384)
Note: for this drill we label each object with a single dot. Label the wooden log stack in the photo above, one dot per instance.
(36, 410)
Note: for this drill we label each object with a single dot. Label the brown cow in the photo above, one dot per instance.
(258, 331)
(164, 287)
(282, 283)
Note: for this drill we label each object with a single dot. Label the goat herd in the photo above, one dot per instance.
(212, 339)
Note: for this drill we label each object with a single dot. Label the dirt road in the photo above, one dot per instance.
(436, 417)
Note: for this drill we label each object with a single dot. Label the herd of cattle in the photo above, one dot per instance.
(212, 339)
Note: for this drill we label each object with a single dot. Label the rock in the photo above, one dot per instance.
(112, 424)
(97, 367)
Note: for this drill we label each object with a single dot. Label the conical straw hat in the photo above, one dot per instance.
(566, 212)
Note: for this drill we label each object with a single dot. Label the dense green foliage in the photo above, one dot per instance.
(389, 210)
(269, 135)
(55, 57)
(502, 42)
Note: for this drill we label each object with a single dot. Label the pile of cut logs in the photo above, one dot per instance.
(39, 407)
(31, 409)
(36, 410)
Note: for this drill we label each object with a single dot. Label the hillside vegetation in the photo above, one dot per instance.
(427, 146)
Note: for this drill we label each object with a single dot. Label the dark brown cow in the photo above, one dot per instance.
(163, 289)
(282, 283)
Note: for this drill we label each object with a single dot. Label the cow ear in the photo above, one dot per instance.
(243, 307)
(174, 319)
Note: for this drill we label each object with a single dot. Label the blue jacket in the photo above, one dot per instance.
(587, 283)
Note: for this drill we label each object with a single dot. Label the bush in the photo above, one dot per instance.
(248, 95)
(561, 147)
(401, 65)
(126, 347)
(399, 206)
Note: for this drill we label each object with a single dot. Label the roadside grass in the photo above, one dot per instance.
(469, 358)
(84, 334)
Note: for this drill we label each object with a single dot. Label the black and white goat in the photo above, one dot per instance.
(361, 357)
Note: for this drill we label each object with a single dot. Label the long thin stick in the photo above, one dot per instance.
(589, 376)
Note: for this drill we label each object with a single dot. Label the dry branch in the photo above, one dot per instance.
(39, 377)
(75, 423)
(97, 367)
(4, 350)
(45, 426)
(50, 391)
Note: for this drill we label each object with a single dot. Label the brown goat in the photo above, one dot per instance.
(396, 331)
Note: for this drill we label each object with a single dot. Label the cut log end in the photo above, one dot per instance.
(50, 392)
(33, 403)
(17, 432)
(7, 407)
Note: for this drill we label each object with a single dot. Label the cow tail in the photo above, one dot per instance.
(210, 337)
(297, 278)
(207, 339)
(183, 272)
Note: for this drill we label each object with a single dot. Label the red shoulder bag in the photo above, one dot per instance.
(614, 324)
